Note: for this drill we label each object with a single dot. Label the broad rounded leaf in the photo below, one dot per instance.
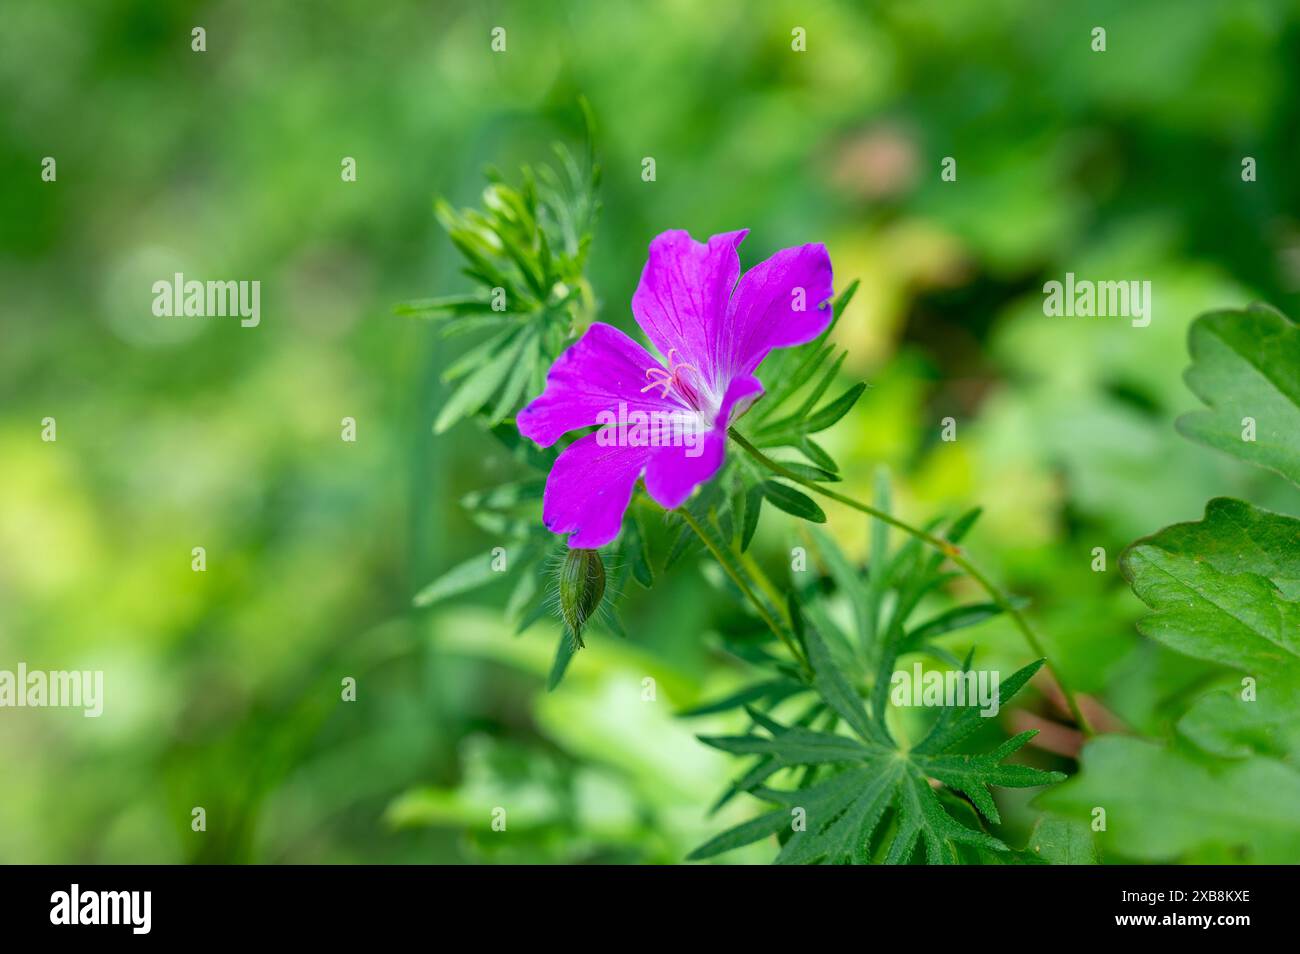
(1224, 589)
(1246, 364)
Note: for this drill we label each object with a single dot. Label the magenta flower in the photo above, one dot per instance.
(667, 421)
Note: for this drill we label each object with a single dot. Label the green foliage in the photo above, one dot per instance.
(1163, 804)
(844, 810)
(1225, 724)
(507, 511)
(866, 795)
(537, 561)
(1058, 841)
(526, 249)
(1222, 590)
(473, 573)
(778, 420)
(1246, 364)
(731, 506)
(1121, 167)
(797, 504)
(1225, 589)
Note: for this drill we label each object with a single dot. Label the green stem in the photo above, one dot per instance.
(745, 589)
(947, 548)
(764, 584)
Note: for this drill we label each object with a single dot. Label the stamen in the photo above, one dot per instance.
(685, 367)
(664, 380)
(673, 379)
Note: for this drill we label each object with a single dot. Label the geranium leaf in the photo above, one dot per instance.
(846, 787)
(950, 620)
(478, 387)
(833, 411)
(840, 814)
(1224, 589)
(753, 508)
(841, 303)
(839, 694)
(1246, 364)
(1247, 720)
(772, 691)
(564, 652)
(813, 451)
(463, 577)
(797, 504)
(636, 551)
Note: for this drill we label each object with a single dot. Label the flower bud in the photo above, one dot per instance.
(582, 584)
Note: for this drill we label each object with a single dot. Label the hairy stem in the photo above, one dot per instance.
(946, 547)
(744, 587)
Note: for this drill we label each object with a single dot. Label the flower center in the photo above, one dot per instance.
(678, 383)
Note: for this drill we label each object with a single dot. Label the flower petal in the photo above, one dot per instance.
(763, 314)
(598, 371)
(590, 487)
(741, 393)
(673, 473)
(682, 297)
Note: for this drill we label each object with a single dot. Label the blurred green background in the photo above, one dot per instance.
(223, 687)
